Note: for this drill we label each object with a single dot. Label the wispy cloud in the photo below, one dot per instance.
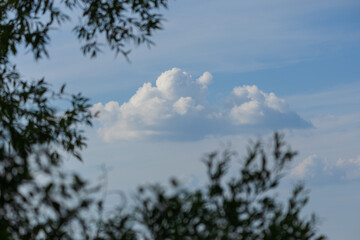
(319, 169)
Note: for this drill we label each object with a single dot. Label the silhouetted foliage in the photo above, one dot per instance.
(240, 205)
(39, 200)
(118, 22)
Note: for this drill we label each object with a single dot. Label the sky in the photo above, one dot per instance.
(221, 73)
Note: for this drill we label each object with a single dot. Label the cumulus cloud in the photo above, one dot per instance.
(253, 104)
(205, 79)
(321, 170)
(176, 108)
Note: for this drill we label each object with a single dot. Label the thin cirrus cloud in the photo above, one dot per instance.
(176, 109)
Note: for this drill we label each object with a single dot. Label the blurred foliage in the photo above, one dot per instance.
(232, 206)
(37, 199)
(40, 200)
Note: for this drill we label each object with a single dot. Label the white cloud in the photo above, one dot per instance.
(176, 108)
(321, 170)
(252, 105)
(184, 104)
(247, 113)
(205, 79)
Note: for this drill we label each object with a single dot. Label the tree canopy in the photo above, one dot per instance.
(231, 206)
(39, 200)
(118, 22)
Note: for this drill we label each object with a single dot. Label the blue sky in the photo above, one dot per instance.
(290, 65)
